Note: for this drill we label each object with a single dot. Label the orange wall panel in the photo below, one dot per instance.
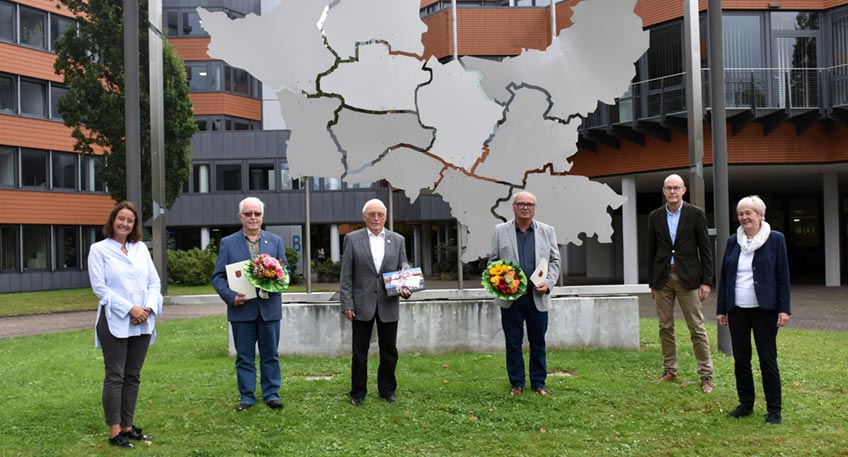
(192, 48)
(35, 133)
(32, 207)
(229, 104)
(30, 62)
(52, 6)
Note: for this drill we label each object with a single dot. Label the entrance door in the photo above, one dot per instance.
(804, 241)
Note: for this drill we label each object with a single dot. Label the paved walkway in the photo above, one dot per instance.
(813, 307)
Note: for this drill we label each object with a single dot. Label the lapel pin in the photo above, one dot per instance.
(388, 241)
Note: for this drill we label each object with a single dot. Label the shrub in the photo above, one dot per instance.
(293, 257)
(191, 268)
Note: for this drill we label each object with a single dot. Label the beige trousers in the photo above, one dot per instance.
(692, 312)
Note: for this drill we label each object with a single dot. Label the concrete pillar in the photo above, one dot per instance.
(416, 245)
(629, 232)
(335, 252)
(203, 177)
(204, 237)
(832, 273)
(427, 249)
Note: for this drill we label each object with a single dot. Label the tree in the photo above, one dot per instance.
(92, 63)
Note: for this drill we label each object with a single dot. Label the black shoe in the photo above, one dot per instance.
(740, 411)
(390, 397)
(121, 441)
(355, 401)
(275, 404)
(135, 434)
(243, 406)
(773, 418)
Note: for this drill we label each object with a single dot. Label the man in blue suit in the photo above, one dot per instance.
(255, 320)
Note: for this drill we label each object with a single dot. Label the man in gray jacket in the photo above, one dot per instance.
(368, 253)
(526, 242)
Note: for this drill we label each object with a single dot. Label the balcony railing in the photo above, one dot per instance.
(763, 90)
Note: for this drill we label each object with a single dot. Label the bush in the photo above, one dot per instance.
(293, 257)
(328, 271)
(191, 268)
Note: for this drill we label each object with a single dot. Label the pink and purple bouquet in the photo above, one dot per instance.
(267, 273)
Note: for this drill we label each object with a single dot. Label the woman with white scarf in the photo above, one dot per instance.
(753, 296)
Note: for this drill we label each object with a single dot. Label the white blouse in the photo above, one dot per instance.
(122, 281)
(746, 296)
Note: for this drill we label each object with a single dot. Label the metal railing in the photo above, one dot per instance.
(764, 89)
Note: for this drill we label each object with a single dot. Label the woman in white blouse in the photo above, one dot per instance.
(126, 282)
(753, 297)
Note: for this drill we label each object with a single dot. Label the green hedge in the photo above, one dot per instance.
(192, 268)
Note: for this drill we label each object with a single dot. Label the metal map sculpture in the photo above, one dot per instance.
(363, 104)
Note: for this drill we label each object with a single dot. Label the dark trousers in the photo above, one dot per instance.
(387, 339)
(123, 359)
(763, 323)
(246, 335)
(513, 319)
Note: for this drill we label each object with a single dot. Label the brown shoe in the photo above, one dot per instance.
(707, 385)
(667, 377)
(516, 391)
(541, 391)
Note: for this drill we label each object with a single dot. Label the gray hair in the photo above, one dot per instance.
(374, 200)
(522, 192)
(753, 202)
(251, 200)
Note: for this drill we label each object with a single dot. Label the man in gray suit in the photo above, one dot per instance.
(368, 253)
(526, 242)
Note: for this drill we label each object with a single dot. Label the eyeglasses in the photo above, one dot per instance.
(375, 214)
(252, 214)
(524, 204)
(673, 188)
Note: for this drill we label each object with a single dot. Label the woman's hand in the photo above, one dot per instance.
(722, 319)
(139, 315)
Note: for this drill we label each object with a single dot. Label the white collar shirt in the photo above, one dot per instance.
(378, 248)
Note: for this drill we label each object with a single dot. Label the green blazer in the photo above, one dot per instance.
(692, 248)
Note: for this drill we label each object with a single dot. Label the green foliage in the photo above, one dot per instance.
(447, 260)
(192, 268)
(293, 257)
(328, 271)
(92, 65)
(454, 404)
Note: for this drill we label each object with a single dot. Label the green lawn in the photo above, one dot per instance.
(451, 404)
(52, 301)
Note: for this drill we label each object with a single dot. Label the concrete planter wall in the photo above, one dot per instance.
(436, 321)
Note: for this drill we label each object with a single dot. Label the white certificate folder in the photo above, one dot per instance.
(237, 280)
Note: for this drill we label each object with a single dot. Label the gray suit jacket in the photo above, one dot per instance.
(361, 286)
(505, 247)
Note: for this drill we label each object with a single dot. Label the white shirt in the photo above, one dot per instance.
(122, 281)
(378, 248)
(746, 297)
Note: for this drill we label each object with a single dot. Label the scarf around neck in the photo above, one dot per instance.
(759, 239)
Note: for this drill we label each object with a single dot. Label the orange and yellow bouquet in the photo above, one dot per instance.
(267, 273)
(504, 280)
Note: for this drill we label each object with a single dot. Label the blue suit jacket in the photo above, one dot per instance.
(233, 248)
(771, 275)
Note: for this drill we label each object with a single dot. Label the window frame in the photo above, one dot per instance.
(45, 27)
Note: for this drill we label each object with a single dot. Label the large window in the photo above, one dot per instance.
(228, 177)
(743, 41)
(58, 26)
(36, 244)
(285, 177)
(33, 168)
(794, 20)
(33, 98)
(90, 175)
(33, 30)
(7, 94)
(7, 21)
(64, 169)
(67, 247)
(665, 54)
(9, 247)
(8, 170)
(217, 123)
(56, 93)
(261, 177)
